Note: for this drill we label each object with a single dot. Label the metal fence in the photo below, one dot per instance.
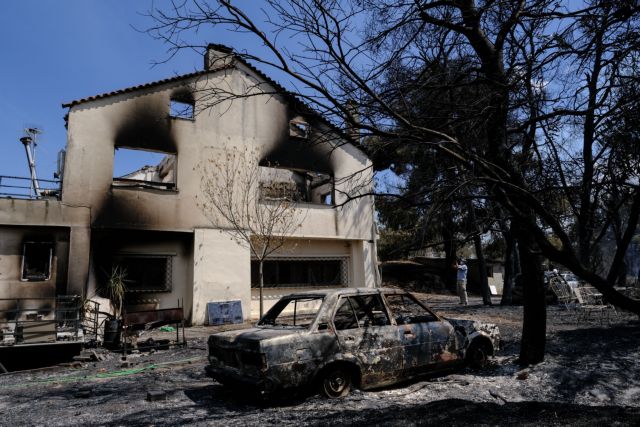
(47, 320)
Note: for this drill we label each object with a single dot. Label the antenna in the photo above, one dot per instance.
(30, 142)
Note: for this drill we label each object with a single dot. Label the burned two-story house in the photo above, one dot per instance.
(131, 194)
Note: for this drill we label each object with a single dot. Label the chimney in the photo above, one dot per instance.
(217, 55)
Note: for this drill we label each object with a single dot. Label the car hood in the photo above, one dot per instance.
(254, 338)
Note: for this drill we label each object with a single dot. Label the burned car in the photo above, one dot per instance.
(346, 338)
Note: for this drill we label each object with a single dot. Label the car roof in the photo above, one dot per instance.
(343, 291)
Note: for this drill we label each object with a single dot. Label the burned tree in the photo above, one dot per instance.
(544, 72)
(255, 210)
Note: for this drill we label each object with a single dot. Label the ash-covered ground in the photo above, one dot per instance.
(591, 376)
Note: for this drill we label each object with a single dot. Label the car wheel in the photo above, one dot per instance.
(478, 355)
(336, 382)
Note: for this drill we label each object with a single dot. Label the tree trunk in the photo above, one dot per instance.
(534, 322)
(622, 276)
(449, 275)
(516, 257)
(482, 266)
(260, 269)
(507, 285)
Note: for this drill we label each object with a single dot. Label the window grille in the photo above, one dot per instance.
(296, 272)
(147, 273)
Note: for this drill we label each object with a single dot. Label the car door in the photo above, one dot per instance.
(443, 346)
(429, 341)
(413, 330)
(365, 333)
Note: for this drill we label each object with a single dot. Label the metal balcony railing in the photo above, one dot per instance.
(17, 187)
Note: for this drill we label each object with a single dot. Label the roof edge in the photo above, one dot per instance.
(307, 109)
(145, 86)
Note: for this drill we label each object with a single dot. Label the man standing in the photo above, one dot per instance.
(461, 280)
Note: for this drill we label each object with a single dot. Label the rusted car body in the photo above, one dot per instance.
(337, 339)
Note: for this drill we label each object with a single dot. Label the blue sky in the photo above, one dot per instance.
(58, 51)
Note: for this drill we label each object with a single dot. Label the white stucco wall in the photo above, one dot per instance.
(221, 267)
(221, 272)
(356, 252)
(256, 124)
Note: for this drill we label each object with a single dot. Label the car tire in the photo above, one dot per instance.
(336, 382)
(478, 354)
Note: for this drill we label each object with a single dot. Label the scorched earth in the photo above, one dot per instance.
(591, 376)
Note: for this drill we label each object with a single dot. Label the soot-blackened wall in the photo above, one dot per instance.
(42, 292)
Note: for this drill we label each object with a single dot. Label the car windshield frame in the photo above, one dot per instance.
(278, 317)
(432, 316)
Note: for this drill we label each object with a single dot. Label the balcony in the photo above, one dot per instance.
(15, 187)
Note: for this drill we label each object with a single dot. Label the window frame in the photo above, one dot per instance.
(433, 317)
(119, 182)
(349, 298)
(344, 266)
(299, 128)
(268, 320)
(339, 304)
(293, 191)
(47, 277)
(189, 117)
(168, 273)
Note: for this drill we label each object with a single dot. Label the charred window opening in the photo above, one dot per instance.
(296, 185)
(299, 129)
(181, 108)
(146, 273)
(301, 272)
(144, 168)
(36, 261)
